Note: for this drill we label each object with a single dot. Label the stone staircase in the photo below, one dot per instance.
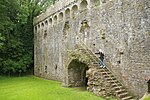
(102, 82)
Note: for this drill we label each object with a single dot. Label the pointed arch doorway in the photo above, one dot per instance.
(76, 74)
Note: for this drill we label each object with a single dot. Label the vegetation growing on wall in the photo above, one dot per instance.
(16, 33)
(78, 54)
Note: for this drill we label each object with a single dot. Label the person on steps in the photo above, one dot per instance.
(101, 56)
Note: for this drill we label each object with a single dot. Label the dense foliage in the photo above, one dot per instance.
(16, 33)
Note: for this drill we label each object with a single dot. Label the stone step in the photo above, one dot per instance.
(127, 98)
(108, 75)
(105, 73)
(120, 91)
(117, 88)
(113, 81)
(124, 94)
(115, 84)
(110, 78)
(104, 70)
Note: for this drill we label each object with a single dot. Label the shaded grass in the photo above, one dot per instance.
(34, 88)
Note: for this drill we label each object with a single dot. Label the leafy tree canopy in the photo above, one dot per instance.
(16, 33)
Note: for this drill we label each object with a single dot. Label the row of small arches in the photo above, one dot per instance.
(74, 11)
(60, 17)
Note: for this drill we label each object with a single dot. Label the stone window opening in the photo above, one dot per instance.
(95, 3)
(83, 5)
(84, 30)
(50, 21)
(45, 69)
(74, 11)
(67, 13)
(119, 62)
(66, 29)
(61, 17)
(46, 23)
(45, 30)
(35, 29)
(56, 67)
(84, 25)
(55, 19)
(42, 25)
(42, 28)
(45, 33)
(39, 26)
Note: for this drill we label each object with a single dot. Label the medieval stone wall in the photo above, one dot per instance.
(121, 28)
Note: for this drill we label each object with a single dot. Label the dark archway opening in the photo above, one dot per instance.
(77, 74)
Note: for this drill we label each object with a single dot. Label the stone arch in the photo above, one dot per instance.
(77, 73)
(46, 23)
(61, 15)
(94, 3)
(38, 33)
(45, 31)
(83, 5)
(55, 19)
(42, 29)
(42, 25)
(39, 26)
(46, 26)
(67, 13)
(50, 21)
(35, 29)
(74, 11)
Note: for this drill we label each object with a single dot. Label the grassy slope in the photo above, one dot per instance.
(33, 88)
(148, 98)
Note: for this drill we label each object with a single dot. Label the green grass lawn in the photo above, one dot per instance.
(148, 98)
(34, 88)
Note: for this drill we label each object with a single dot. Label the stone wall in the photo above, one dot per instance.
(121, 28)
(97, 83)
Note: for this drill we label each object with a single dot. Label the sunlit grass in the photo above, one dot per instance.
(34, 88)
(148, 98)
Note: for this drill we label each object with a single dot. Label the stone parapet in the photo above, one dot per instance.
(53, 9)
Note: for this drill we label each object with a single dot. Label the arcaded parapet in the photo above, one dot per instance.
(121, 28)
(53, 9)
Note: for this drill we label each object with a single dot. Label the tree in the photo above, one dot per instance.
(16, 33)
